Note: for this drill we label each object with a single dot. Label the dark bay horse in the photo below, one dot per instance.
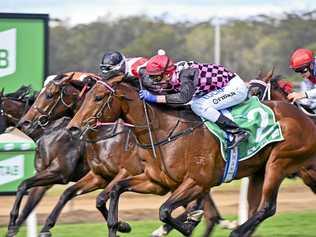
(53, 165)
(191, 164)
(14, 105)
(57, 100)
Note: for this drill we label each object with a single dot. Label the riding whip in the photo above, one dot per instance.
(147, 121)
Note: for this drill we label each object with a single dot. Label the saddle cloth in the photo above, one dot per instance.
(258, 119)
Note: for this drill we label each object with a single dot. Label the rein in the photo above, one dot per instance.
(17, 120)
(45, 116)
(171, 137)
(113, 127)
(267, 92)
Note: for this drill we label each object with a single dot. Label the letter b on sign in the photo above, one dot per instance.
(7, 52)
(4, 58)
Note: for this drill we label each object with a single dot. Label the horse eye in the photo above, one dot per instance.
(99, 97)
(49, 95)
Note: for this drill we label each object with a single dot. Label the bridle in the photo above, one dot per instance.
(45, 116)
(265, 86)
(89, 122)
(10, 116)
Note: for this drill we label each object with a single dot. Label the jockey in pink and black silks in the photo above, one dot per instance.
(208, 87)
(303, 61)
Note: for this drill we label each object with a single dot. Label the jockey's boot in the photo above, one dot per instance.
(239, 134)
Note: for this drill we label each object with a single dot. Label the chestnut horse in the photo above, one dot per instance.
(191, 164)
(106, 168)
(275, 88)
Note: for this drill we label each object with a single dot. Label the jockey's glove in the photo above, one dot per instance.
(147, 96)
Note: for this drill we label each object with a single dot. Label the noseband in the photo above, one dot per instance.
(45, 116)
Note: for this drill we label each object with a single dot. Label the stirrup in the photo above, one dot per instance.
(238, 138)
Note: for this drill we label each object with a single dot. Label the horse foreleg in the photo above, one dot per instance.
(165, 229)
(88, 183)
(139, 184)
(272, 180)
(185, 193)
(33, 199)
(254, 192)
(211, 215)
(102, 198)
(40, 179)
(308, 176)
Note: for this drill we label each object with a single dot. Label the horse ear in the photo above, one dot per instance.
(2, 92)
(269, 76)
(116, 79)
(260, 74)
(61, 78)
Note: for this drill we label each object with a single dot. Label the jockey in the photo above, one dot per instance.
(117, 62)
(303, 61)
(208, 87)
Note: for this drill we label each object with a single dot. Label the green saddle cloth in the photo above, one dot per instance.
(258, 119)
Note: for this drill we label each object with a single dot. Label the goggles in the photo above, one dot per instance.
(106, 67)
(156, 78)
(302, 69)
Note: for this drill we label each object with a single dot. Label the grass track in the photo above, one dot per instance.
(281, 225)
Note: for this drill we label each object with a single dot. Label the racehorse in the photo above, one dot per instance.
(56, 101)
(189, 160)
(53, 164)
(14, 105)
(107, 169)
(275, 88)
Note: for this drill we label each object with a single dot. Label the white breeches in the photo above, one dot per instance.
(232, 94)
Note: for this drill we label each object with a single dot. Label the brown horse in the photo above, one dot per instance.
(191, 164)
(53, 165)
(56, 100)
(107, 169)
(275, 88)
(14, 105)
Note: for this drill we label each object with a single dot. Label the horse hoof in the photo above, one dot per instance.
(12, 231)
(160, 232)
(229, 225)
(235, 234)
(124, 227)
(45, 234)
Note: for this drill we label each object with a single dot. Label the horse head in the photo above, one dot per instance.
(269, 87)
(58, 98)
(104, 102)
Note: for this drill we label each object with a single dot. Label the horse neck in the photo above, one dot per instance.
(276, 95)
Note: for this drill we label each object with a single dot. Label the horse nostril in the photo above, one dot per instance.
(25, 124)
(74, 131)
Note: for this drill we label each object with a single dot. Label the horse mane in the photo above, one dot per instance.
(179, 111)
(278, 81)
(22, 94)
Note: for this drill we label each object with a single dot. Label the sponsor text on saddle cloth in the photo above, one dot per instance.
(259, 120)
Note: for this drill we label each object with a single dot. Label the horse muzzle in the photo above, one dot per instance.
(74, 132)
